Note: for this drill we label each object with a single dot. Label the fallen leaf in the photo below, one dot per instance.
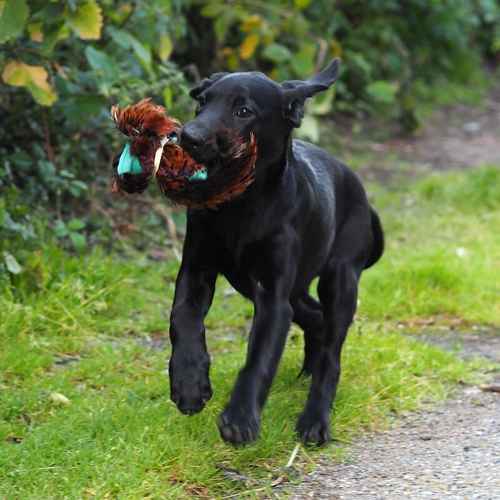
(58, 398)
(14, 439)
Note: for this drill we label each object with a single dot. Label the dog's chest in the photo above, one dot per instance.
(240, 235)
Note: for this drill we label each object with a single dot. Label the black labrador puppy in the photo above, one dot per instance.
(305, 215)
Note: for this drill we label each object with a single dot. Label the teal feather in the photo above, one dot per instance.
(199, 175)
(128, 164)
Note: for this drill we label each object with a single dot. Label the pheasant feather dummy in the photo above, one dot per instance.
(153, 151)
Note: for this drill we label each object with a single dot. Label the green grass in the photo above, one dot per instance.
(443, 250)
(120, 435)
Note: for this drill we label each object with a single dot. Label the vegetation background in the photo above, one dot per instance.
(86, 279)
(63, 63)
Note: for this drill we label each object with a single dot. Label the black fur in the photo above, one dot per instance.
(306, 215)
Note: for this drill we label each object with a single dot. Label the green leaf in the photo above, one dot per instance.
(120, 37)
(98, 60)
(167, 97)
(301, 4)
(213, 9)
(303, 61)
(60, 229)
(143, 52)
(79, 241)
(51, 36)
(277, 53)
(81, 108)
(222, 24)
(13, 17)
(77, 188)
(86, 21)
(127, 41)
(165, 48)
(11, 263)
(76, 224)
(382, 91)
(322, 103)
(102, 64)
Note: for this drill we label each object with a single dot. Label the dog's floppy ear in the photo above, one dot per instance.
(205, 83)
(295, 92)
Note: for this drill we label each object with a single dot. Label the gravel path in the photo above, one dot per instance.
(451, 452)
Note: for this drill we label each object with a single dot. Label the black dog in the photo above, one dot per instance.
(305, 215)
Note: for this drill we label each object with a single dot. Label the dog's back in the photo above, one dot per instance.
(335, 195)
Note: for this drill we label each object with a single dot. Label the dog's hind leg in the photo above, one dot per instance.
(338, 293)
(308, 314)
(337, 290)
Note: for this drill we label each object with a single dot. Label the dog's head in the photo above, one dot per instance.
(235, 105)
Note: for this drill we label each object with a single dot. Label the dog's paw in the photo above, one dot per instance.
(238, 426)
(190, 387)
(314, 428)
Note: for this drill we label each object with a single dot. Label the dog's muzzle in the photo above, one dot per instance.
(198, 142)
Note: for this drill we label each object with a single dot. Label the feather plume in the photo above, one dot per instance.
(149, 128)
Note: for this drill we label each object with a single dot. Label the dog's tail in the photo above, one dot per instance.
(378, 239)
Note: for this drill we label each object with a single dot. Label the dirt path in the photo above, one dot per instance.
(451, 452)
(457, 136)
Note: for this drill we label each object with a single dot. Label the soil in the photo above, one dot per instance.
(454, 137)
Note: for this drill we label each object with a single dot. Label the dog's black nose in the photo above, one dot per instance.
(192, 138)
(198, 141)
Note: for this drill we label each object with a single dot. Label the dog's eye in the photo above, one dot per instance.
(243, 112)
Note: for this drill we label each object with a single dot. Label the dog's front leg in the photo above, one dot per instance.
(240, 421)
(189, 364)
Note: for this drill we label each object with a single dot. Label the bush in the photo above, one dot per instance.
(75, 59)
(65, 62)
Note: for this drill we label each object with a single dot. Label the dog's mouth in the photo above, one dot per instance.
(230, 148)
(211, 182)
(185, 176)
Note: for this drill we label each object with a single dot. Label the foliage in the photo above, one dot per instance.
(63, 63)
(386, 46)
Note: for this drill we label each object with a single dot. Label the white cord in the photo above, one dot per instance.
(158, 154)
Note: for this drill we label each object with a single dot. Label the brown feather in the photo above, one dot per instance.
(146, 123)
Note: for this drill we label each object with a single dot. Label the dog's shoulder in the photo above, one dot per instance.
(312, 160)
(323, 169)
(306, 152)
